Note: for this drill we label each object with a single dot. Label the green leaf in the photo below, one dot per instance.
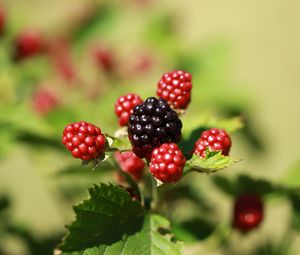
(246, 184)
(193, 230)
(118, 144)
(292, 178)
(153, 239)
(213, 162)
(107, 216)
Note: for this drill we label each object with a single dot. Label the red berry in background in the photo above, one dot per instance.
(131, 164)
(104, 58)
(44, 101)
(248, 212)
(29, 43)
(83, 140)
(167, 162)
(215, 140)
(2, 20)
(175, 87)
(124, 107)
(59, 52)
(142, 64)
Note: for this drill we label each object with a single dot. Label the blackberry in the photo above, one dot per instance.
(215, 140)
(124, 107)
(2, 20)
(167, 163)
(151, 124)
(176, 88)
(83, 140)
(248, 212)
(29, 43)
(131, 164)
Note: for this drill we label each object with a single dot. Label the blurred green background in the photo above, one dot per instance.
(244, 59)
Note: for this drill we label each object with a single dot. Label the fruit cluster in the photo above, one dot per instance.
(154, 130)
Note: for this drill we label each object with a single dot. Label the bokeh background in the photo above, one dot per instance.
(244, 57)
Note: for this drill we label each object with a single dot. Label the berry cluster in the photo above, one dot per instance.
(130, 164)
(175, 87)
(151, 124)
(248, 212)
(167, 163)
(84, 140)
(213, 139)
(154, 128)
(124, 107)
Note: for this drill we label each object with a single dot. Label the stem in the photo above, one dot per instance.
(222, 234)
(127, 177)
(154, 194)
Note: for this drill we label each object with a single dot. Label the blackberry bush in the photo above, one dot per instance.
(122, 215)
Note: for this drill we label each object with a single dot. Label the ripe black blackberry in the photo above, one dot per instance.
(151, 124)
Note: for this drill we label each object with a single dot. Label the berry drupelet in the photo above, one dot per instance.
(213, 139)
(131, 164)
(151, 124)
(167, 162)
(175, 87)
(83, 140)
(248, 212)
(124, 107)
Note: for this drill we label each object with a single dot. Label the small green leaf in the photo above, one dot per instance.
(118, 144)
(155, 238)
(107, 216)
(213, 162)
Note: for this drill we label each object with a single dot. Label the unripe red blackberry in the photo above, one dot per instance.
(175, 87)
(28, 44)
(131, 164)
(215, 140)
(167, 162)
(124, 107)
(59, 52)
(44, 101)
(104, 58)
(83, 140)
(248, 212)
(2, 20)
(151, 124)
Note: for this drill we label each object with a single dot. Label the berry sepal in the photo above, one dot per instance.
(213, 161)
